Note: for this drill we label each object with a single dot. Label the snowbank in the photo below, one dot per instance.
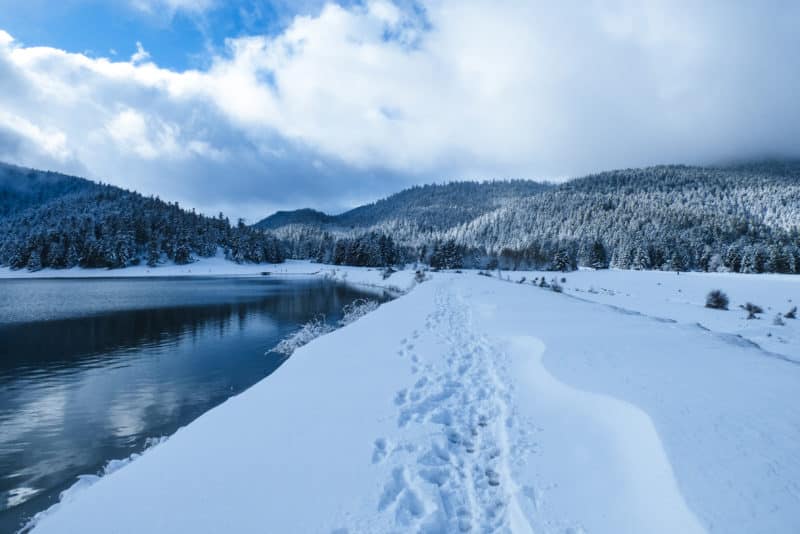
(399, 282)
(682, 297)
(471, 404)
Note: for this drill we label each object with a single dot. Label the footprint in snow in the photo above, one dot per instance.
(408, 505)
(380, 451)
(492, 477)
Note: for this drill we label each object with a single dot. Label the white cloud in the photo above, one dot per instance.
(172, 6)
(141, 55)
(49, 142)
(343, 98)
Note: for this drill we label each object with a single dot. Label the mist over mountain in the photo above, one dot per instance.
(743, 218)
(22, 188)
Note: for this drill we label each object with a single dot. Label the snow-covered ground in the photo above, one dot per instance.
(474, 404)
(682, 297)
(219, 266)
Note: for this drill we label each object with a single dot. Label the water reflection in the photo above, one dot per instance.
(88, 372)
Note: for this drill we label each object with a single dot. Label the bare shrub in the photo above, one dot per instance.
(752, 310)
(308, 332)
(717, 300)
(356, 310)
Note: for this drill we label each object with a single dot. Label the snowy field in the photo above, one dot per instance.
(476, 404)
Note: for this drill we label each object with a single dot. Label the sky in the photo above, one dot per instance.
(250, 106)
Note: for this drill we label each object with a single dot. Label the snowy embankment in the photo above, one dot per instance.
(219, 266)
(477, 405)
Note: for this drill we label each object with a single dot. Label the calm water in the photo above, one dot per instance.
(92, 369)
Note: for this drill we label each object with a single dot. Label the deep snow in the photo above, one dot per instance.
(474, 404)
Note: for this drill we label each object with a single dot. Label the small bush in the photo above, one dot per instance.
(521, 280)
(309, 331)
(543, 282)
(356, 310)
(420, 277)
(555, 286)
(484, 273)
(753, 308)
(387, 272)
(778, 321)
(791, 314)
(717, 300)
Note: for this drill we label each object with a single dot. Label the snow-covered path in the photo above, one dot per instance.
(483, 406)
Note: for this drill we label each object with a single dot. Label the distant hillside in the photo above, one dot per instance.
(58, 221)
(22, 188)
(301, 216)
(743, 218)
(427, 207)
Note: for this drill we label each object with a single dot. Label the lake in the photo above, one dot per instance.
(94, 369)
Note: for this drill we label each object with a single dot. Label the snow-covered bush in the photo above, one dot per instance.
(778, 321)
(752, 310)
(717, 300)
(317, 326)
(543, 282)
(309, 331)
(555, 286)
(791, 314)
(356, 310)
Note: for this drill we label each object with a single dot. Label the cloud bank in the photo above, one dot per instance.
(354, 102)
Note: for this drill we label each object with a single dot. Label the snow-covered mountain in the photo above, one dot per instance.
(22, 188)
(54, 220)
(743, 218)
(429, 207)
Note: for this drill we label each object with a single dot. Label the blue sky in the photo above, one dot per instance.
(249, 106)
(177, 39)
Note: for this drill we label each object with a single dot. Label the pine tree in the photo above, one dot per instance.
(598, 258)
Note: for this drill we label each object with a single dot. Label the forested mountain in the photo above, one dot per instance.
(301, 216)
(23, 188)
(53, 220)
(743, 218)
(423, 208)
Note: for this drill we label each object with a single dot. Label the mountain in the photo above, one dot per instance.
(428, 207)
(301, 216)
(59, 221)
(22, 188)
(743, 218)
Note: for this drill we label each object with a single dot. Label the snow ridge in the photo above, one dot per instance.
(457, 479)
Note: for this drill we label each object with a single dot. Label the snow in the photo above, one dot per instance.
(474, 404)
(681, 298)
(218, 266)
